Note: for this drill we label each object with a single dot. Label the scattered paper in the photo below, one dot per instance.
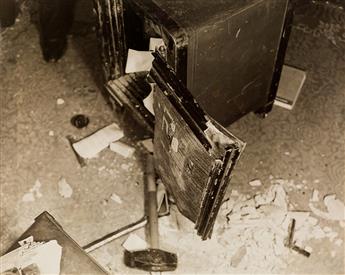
(116, 198)
(255, 183)
(155, 43)
(138, 61)
(122, 149)
(148, 144)
(90, 146)
(65, 190)
(134, 243)
(148, 103)
(34, 256)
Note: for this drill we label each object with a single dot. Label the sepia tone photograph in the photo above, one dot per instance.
(172, 137)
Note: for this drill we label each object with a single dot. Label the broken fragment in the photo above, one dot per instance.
(315, 196)
(116, 198)
(255, 183)
(90, 146)
(65, 190)
(335, 209)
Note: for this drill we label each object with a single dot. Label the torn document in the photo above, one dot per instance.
(33, 257)
(134, 243)
(122, 149)
(148, 103)
(90, 146)
(155, 44)
(138, 61)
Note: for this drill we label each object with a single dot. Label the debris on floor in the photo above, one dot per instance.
(65, 190)
(255, 183)
(148, 144)
(250, 233)
(122, 148)
(335, 209)
(60, 101)
(33, 193)
(90, 146)
(116, 198)
(134, 243)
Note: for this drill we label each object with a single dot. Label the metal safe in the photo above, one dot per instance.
(221, 59)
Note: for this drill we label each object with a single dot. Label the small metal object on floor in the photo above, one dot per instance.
(290, 240)
(80, 121)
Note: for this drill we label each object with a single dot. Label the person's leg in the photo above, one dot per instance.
(55, 20)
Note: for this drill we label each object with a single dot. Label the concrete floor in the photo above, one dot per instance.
(305, 145)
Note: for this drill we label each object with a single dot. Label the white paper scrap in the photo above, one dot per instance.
(148, 103)
(122, 148)
(90, 146)
(138, 61)
(155, 43)
(46, 256)
(134, 243)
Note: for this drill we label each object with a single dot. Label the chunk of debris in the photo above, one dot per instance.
(33, 192)
(90, 146)
(335, 209)
(65, 190)
(315, 196)
(36, 189)
(148, 144)
(255, 183)
(60, 101)
(122, 148)
(51, 133)
(28, 197)
(134, 243)
(174, 144)
(116, 198)
(125, 166)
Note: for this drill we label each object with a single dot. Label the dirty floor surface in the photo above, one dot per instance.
(301, 149)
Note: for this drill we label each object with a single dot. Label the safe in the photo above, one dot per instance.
(219, 60)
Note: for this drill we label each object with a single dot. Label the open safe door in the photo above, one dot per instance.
(194, 155)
